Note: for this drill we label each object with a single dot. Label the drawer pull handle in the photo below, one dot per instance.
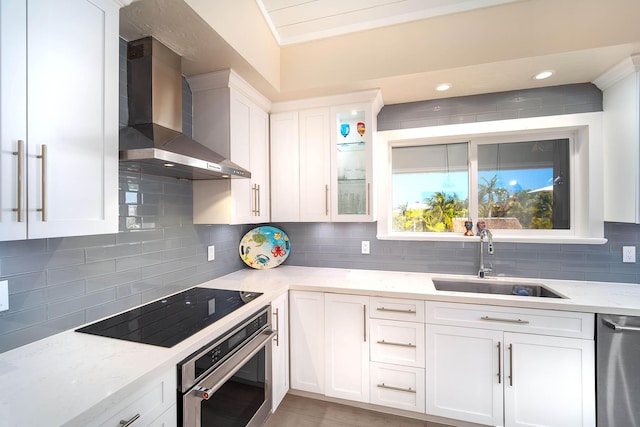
(399, 344)
(498, 319)
(127, 423)
(388, 387)
(395, 310)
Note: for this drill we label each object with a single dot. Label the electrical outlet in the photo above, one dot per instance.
(629, 254)
(211, 253)
(4, 295)
(365, 247)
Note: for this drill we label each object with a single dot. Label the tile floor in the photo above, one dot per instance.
(296, 411)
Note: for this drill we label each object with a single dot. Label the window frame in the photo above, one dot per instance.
(586, 163)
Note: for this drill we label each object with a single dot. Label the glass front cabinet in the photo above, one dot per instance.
(353, 129)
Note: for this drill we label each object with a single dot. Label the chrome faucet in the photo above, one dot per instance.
(483, 270)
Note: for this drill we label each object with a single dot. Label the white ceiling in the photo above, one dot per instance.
(479, 46)
(297, 21)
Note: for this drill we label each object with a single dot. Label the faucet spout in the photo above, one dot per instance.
(485, 233)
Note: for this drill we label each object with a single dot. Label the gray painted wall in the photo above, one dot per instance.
(58, 284)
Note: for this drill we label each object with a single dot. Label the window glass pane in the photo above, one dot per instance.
(524, 185)
(430, 188)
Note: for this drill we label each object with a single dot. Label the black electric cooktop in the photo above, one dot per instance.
(170, 320)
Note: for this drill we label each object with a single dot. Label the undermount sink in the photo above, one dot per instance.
(488, 286)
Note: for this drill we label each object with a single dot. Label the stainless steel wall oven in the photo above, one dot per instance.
(227, 383)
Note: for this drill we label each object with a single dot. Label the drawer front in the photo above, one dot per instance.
(397, 309)
(147, 403)
(525, 320)
(398, 387)
(396, 342)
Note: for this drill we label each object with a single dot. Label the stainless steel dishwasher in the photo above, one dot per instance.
(618, 370)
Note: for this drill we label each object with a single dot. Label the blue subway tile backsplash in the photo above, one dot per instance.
(60, 283)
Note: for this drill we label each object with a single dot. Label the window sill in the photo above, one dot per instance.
(450, 237)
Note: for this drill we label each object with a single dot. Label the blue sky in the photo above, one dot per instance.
(413, 188)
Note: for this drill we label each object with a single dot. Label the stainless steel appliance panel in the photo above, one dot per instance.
(618, 370)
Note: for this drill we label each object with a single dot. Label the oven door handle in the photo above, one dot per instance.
(227, 369)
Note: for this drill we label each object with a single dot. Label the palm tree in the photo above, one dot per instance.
(444, 207)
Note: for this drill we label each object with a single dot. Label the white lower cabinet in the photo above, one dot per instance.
(280, 350)
(153, 404)
(370, 353)
(346, 347)
(306, 338)
(489, 369)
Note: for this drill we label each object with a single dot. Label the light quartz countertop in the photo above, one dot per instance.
(72, 378)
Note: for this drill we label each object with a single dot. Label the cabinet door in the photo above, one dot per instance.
(242, 190)
(346, 347)
(306, 313)
(280, 349)
(13, 119)
(285, 175)
(72, 110)
(259, 153)
(315, 165)
(352, 128)
(552, 381)
(463, 374)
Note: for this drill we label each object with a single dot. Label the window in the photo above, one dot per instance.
(520, 185)
(540, 184)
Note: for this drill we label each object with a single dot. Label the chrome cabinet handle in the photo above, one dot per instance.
(127, 423)
(20, 154)
(326, 200)
(620, 328)
(388, 387)
(364, 318)
(394, 310)
(398, 344)
(511, 364)
(498, 319)
(43, 209)
(499, 362)
(258, 199)
(277, 337)
(368, 198)
(254, 196)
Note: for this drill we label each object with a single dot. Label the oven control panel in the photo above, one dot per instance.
(220, 349)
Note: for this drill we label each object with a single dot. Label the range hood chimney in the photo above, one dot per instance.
(153, 142)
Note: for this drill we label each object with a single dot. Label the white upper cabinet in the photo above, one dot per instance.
(229, 116)
(317, 174)
(621, 126)
(59, 86)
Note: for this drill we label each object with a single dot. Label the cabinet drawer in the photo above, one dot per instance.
(398, 387)
(149, 402)
(397, 309)
(513, 319)
(397, 342)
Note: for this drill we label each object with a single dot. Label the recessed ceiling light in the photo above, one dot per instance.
(169, 165)
(443, 86)
(543, 75)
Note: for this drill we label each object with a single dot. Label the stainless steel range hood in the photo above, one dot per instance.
(153, 142)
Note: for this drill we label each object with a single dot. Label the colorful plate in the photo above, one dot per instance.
(264, 247)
